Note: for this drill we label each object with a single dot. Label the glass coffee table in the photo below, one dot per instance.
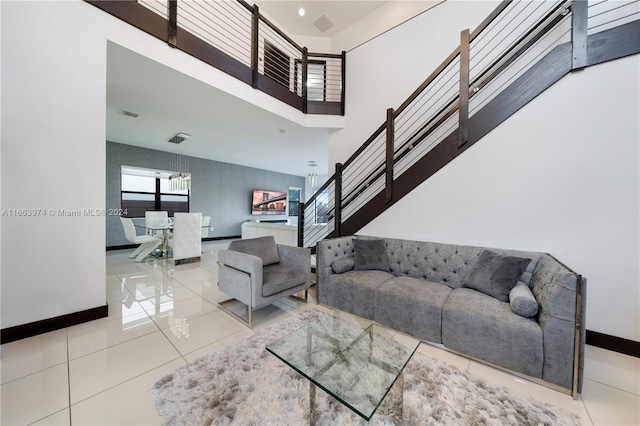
(355, 361)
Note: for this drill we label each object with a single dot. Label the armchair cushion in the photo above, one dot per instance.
(278, 278)
(263, 247)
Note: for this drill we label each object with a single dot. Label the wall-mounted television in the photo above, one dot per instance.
(268, 202)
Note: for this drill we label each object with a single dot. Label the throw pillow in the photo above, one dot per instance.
(342, 265)
(263, 247)
(370, 254)
(522, 301)
(495, 275)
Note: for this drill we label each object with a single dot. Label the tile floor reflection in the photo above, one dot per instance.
(100, 372)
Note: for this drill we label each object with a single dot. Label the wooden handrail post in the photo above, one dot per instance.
(305, 76)
(172, 34)
(338, 200)
(388, 190)
(579, 18)
(255, 18)
(463, 108)
(343, 81)
(300, 224)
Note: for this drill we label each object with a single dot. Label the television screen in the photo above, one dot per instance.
(269, 202)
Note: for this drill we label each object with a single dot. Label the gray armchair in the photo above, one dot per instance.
(257, 272)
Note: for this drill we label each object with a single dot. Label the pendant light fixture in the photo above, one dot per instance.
(313, 176)
(180, 179)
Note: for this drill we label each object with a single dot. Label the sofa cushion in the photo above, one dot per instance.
(483, 327)
(522, 301)
(342, 265)
(263, 247)
(495, 275)
(370, 254)
(278, 278)
(352, 291)
(412, 305)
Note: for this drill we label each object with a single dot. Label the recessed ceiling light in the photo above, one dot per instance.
(301, 12)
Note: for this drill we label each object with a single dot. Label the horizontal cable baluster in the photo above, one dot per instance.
(374, 152)
(241, 45)
(526, 41)
(609, 14)
(495, 25)
(234, 26)
(363, 198)
(596, 3)
(496, 85)
(409, 156)
(445, 98)
(191, 15)
(512, 31)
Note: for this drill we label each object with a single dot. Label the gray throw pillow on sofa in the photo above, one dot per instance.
(370, 254)
(495, 275)
(522, 300)
(342, 265)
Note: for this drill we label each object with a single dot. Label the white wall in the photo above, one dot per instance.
(560, 176)
(53, 152)
(386, 17)
(53, 139)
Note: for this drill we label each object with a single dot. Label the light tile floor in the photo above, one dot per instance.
(100, 372)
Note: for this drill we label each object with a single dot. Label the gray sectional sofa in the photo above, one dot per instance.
(423, 290)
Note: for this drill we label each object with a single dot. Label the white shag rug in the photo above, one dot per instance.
(246, 385)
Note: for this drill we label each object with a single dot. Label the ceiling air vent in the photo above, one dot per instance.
(323, 24)
(129, 114)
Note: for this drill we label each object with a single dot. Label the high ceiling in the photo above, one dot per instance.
(222, 127)
(340, 13)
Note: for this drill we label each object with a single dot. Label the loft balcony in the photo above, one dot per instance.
(236, 39)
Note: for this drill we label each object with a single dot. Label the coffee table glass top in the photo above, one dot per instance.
(351, 359)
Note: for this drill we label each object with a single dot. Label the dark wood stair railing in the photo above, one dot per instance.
(583, 50)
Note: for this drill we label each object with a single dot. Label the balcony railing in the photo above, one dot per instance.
(236, 38)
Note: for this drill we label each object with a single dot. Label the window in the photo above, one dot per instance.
(293, 201)
(322, 207)
(145, 189)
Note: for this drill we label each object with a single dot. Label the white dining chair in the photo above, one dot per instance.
(155, 219)
(147, 243)
(187, 237)
(206, 220)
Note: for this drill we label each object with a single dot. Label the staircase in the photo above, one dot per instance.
(520, 50)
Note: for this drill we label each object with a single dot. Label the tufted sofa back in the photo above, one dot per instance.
(444, 263)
